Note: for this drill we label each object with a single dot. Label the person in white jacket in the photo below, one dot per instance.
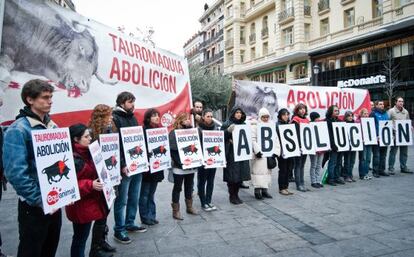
(260, 173)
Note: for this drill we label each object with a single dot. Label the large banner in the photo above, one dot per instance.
(111, 154)
(87, 63)
(55, 168)
(158, 149)
(251, 96)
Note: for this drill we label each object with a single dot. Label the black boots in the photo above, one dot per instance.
(98, 237)
(104, 244)
(265, 193)
(234, 193)
(258, 193)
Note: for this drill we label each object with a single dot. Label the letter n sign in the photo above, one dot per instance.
(403, 132)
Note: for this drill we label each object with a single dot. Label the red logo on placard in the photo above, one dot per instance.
(52, 196)
(210, 161)
(156, 164)
(133, 166)
(187, 162)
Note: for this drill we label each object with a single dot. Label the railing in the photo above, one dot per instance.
(323, 5)
(265, 32)
(372, 23)
(214, 58)
(289, 12)
(307, 10)
(252, 38)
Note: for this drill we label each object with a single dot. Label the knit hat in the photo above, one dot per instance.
(77, 130)
(314, 115)
(263, 112)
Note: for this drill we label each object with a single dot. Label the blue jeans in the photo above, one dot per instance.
(205, 176)
(379, 157)
(334, 165)
(349, 161)
(299, 169)
(128, 198)
(147, 207)
(403, 157)
(80, 236)
(364, 160)
(316, 167)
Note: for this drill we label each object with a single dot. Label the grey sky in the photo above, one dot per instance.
(173, 21)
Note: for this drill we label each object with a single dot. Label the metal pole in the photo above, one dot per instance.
(2, 3)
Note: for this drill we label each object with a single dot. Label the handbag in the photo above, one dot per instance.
(271, 162)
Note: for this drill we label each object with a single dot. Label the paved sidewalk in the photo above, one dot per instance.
(366, 218)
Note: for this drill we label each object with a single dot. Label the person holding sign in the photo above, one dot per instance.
(126, 203)
(299, 116)
(366, 154)
(261, 174)
(349, 156)
(379, 152)
(92, 206)
(316, 159)
(181, 176)
(150, 180)
(38, 233)
(398, 112)
(235, 172)
(285, 164)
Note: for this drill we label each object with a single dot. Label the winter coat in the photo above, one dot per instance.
(18, 156)
(329, 121)
(261, 175)
(123, 119)
(92, 205)
(235, 172)
(378, 115)
(395, 114)
(148, 176)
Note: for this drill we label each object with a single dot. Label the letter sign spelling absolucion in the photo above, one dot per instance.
(267, 138)
(385, 133)
(369, 132)
(242, 143)
(289, 140)
(340, 136)
(403, 132)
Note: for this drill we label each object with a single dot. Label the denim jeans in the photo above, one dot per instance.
(364, 160)
(80, 236)
(147, 207)
(285, 168)
(334, 165)
(379, 158)
(126, 203)
(188, 180)
(299, 169)
(205, 192)
(349, 162)
(403, 157)
(316, 167)
(38, 233)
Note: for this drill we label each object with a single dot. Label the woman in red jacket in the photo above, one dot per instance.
(91, 206)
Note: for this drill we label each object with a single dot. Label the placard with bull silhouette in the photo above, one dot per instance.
(158, 149)
(189, 148)
(110, 152)
(213, 149)
(103, 173)
(135, 150)
(55, 168)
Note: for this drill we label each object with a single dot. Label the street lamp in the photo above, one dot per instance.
(316, 69)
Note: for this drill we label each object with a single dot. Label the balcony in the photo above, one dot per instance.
(287, 15)
(229, 43)
(323, 6)
(265, 32)
(344, 2)
(260, 7)
(307, 10)
(214, 58)
(252, 38)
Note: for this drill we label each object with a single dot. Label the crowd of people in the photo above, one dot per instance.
(39, 233)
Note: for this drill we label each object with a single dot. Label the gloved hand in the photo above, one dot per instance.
(231, 128)
(259, 155)
(274, 155)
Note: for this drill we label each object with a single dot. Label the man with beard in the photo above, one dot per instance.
(197, 112)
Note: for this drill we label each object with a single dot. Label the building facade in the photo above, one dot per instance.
(65, 3)
(192, 50)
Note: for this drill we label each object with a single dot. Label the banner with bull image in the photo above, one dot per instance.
(158, 149)
(103, 173)
(213, 149)
(135, 150)
(87, 63)
(55, 168)
(110, 152)
(189, 148)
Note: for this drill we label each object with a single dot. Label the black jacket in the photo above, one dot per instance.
(329, 121)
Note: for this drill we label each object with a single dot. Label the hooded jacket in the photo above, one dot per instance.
(378, 115)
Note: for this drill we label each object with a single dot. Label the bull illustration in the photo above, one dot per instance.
(111, 162)
(59, 168)
(190, 150)
(135, 152)
(39, 40)
(214, 150)
(158, 151)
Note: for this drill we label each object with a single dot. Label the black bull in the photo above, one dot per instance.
(111, 162)
(135, 152)
(213, 151)
(38, 40)
(190, 150)
(158, 151)
(59, 168)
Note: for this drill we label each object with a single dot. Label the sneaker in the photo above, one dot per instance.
(315, 185)
(122, 237)
(148, 222)
(331, 183)
(244, 186)
(340, 181)
(353, 180)
(366, 177)
(135, 228)
(349, 180)
(284, 192)
(155, 221)
(320, 185)
(212, 207)
(406, 171)
(369, 177)
(206, 207)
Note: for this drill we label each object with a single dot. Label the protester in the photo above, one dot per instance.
(335, 157)
(205, 177)
(349, 156)
(2, 179)
(197, 112)
(39, 233)
(126, 203)
(299, 116)
(260, 173)
(398, 112)
(181, 176)
(235, 172)
(365, 155)
(150, 180)
(316, 159)
(379, 152)
(285, 164)
(92, 206)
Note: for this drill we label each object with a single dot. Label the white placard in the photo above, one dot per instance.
(158, 149)
(213, 149)
(369, 133)
(355, 136)
(385, 131)
(55, 168)
(135, 151)
(189, 148)
(289, 140)
(267, 138)
(340, 134)
(323, 142)
(307, 138)
(242, 143)
(110, 152)
(403, 132)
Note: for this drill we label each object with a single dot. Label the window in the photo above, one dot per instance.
(252, 53)
(213, 50)
(301, 71)
(307, 31)
(280, 76)
(287, 36)
(377, 55)
(349, 18)
(207, 55)
(286, 4)
(213, 33)
(251, 3)
(230, 11)
(242, 8)
(252, 37)
(230, 58)
(267, 77)
(399, 3)
(324, 27)
(241, 56)
(265, 48)
(230, 34)
(255, 78)
(242, 35)
(351, 60)
(377, 8)
(264, 22)
(400, 50)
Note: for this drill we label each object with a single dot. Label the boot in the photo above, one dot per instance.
(258, 193)
(190, 208)
(265, 193)
(232, 197)
(176, 211)
(98, 233)
(104, 243)
(236, 194)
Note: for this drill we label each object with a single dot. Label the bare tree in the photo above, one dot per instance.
(141, 35)
(391, 71)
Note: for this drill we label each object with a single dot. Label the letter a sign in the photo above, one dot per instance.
(242, 143)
